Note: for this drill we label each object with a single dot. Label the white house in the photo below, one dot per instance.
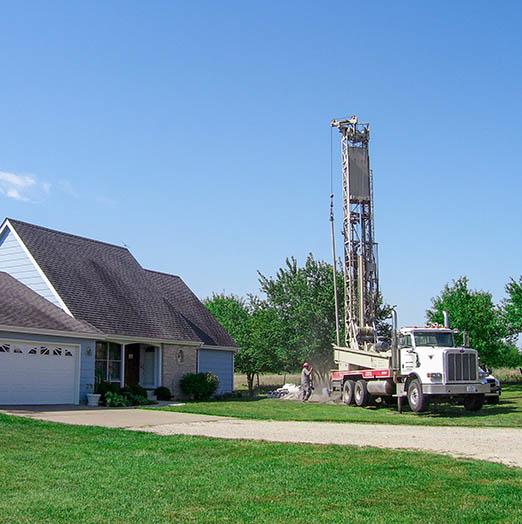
(75, 310)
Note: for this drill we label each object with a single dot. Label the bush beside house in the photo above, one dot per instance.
(113, 396)
(199, 386)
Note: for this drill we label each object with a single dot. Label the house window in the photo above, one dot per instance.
(108, 362)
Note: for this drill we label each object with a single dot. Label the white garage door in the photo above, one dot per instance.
(38, 373)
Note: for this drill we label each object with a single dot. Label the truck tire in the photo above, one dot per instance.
(417, 400)
(348, 392)
(473, 402)
(361, 395)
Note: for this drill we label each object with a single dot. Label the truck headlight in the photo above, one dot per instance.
(434, 376)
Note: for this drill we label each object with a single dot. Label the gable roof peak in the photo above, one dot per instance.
(14, 222)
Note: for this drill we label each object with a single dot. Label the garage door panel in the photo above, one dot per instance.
(221, 363)
(38, 373)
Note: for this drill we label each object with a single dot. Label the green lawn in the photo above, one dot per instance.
(506, 414)
(56, 473)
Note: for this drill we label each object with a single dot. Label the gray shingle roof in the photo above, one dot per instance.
(104, 285)
(209, 330)
(22, 307)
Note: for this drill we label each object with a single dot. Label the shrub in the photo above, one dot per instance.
(200, 386)
(135, 396)
(115, 400)
(115, 397)
(138, 400)
(134, 390)
(163, 393)
(138, 391)
(102, 388)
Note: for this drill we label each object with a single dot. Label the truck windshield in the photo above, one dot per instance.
(431, 338)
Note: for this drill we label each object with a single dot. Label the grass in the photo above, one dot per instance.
(55, 473)
(506, 414)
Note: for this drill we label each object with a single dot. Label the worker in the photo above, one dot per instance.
(306, 382)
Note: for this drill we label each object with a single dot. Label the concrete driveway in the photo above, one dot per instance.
(126, 418)
(502, 445)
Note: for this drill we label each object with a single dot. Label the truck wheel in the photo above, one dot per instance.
(473, 402)
(417, 400)
(348, 392)
(361, 395)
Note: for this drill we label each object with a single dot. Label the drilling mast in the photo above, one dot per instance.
(361, 280)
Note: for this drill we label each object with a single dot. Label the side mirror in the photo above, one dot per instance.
(465, 339)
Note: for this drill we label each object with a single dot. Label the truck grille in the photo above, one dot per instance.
(461, 367)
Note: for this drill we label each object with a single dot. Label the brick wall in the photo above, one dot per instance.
(173, 370)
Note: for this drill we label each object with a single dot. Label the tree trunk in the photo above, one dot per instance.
(257, 376)
(250, 383)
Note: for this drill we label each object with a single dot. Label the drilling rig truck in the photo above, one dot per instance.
(420, 364)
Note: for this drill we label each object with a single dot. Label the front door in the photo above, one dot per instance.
(132, 365)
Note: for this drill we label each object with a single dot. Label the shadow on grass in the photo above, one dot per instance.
(451, 411)
(511, 404)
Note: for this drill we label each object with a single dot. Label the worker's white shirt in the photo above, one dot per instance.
(306, 378)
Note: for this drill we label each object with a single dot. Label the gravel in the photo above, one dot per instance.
(503, 445)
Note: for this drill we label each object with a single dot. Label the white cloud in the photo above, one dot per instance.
(16, 186)
(22, 187)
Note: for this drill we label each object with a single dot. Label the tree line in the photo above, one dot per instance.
(292, 320)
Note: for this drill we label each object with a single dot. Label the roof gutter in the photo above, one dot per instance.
(100, 336)
(50, 332)
(127, 340)
(220, 348)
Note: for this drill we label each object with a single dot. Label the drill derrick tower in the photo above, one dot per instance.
(361, 281)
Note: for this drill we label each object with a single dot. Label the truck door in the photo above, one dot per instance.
(408, 357)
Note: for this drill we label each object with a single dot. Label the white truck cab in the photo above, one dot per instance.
(425, 367)
(435, 369)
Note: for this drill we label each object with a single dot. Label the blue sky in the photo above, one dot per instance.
(197, 133)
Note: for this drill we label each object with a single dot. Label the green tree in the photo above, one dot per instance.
(475, 312)
(232, 313)
(382, 322)
(257, 330)
(266, 340)
(303, 298)
(513, 306)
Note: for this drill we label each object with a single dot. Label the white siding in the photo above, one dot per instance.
(15, 262)
(221, 363)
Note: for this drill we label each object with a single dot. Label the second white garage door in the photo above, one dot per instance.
(38, 373)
